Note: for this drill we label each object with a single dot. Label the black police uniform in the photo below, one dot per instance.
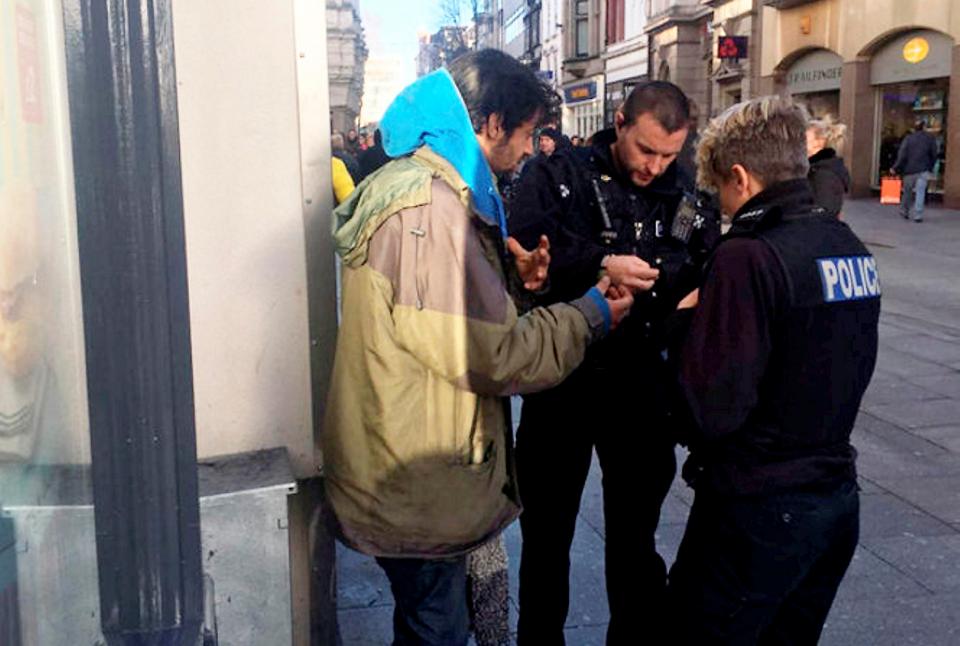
(616, 401)
(779, 353)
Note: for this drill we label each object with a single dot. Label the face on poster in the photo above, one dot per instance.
(42, 409)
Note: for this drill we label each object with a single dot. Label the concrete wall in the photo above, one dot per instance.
(246, 211)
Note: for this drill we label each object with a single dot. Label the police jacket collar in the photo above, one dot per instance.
(792, 197)
(824, 154)
(602, 154)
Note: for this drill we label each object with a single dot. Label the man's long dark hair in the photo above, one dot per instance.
(492, 82)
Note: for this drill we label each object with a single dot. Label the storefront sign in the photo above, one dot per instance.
(912, 56)
(580, 93)
(818, 71)
(916, 50)
(732, 47)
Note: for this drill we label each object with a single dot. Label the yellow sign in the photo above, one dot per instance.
(916, 50)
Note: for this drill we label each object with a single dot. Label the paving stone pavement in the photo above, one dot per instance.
(903, 586)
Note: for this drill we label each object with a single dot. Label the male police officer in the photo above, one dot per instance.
(780, 351)
(609, 207)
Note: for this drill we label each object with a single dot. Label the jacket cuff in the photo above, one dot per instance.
(595, 309)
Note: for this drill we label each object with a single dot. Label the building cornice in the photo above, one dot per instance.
(676, 15)
(625, 46)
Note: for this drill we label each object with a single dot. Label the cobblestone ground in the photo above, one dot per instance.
(903, 586)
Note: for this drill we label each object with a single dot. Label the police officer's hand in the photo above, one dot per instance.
(631, 272)
(619, 299)
(531, 265)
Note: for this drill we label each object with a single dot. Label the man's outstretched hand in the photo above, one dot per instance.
(531, 265)
(619, 300)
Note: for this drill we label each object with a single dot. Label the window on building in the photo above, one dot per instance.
(532, 29)
(615, 20)
(582, 25)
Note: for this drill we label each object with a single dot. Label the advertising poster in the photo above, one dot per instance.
(42, 399)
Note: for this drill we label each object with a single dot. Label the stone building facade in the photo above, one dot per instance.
(346, 55)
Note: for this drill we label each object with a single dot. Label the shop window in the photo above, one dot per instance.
(902, 105)
(821, 104)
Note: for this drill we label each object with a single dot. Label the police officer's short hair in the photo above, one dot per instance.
(492, 82)
(767, 136)
(662, 100)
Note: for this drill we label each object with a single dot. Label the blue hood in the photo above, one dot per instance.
(431, 112)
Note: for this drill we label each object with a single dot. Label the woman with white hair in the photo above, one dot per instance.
(828, 175)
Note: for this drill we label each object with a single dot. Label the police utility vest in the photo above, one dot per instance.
(824, 351)
(625, 219)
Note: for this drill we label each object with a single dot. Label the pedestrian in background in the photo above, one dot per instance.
(374, 157)
(549, 141)
(916, 159)
(828, 176)
(353, 142)
(338, 150)
(416, 442)
(780, 350)
(343, 184)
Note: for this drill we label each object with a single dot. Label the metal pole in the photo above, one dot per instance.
(123, 111)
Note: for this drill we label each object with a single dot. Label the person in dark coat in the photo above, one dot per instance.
(549, 141)
(779, 349)
(915, 161)
(338, 149)
(828, 176)
(352, 143)
(374, 157)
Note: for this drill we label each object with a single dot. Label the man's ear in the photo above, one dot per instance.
(618, 120)
(741, 179)
(493, 126)
(747, 183)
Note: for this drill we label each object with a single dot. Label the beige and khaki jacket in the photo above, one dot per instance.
(416, 444)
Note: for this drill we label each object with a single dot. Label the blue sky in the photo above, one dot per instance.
(391, 28)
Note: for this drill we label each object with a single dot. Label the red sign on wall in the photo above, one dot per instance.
(732, 47)
(28, 61)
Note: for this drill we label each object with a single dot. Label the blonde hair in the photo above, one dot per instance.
(767, 136)
(833, 133)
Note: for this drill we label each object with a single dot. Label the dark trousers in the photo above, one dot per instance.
(762, 569)
(431, 601)
(559, 430)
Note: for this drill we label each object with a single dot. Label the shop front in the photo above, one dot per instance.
(814, 80)
(583, 107)
(911, 75)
